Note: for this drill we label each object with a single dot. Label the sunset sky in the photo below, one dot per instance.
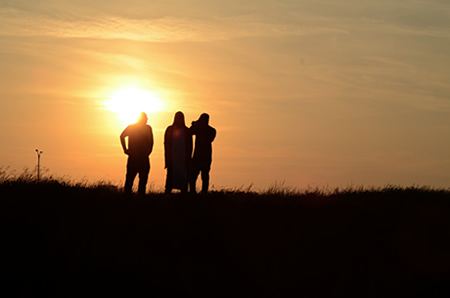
(310, 93)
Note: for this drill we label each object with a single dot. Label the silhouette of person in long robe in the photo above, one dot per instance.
(178, 151)
(140, 145)
(201, 161)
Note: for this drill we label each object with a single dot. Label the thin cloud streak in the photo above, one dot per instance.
(16, 22)
(166, 29)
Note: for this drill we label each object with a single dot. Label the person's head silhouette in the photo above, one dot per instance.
(142, 118)
(178, 120)
(204, 119)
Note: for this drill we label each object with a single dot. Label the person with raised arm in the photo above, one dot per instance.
(140, 145)
(202, 158)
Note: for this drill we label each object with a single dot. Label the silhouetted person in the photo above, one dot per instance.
(178, 151)
(201, 161)
(140, 145)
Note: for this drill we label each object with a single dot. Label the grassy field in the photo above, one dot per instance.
(67, 240)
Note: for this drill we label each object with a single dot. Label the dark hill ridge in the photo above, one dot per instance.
(62, 240)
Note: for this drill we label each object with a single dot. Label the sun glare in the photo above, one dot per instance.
(127, 102)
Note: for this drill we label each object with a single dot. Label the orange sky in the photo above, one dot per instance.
(309, 93)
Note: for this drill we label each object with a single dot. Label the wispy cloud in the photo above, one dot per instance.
(165, 29)
(295, 19)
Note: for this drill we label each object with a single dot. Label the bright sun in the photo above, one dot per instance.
(128, 101)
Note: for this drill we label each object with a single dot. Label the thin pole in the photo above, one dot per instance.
(39, 152)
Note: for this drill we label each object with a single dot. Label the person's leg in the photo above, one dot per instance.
(129, 177)
(143, 177)
(186, 181)
(184, 188)
(195, 171)
(205, 178)
(168, 187)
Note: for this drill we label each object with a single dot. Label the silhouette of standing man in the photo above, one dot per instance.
(201, 161)
(140, 145)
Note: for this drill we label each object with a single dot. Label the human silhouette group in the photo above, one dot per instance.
(183, 163)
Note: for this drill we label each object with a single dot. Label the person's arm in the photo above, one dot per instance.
(213, 134)
(188, 144)
(123, 135)
(194, 127)
(166, 147)
(151, 140)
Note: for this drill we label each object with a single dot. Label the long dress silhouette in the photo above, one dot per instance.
(178, 151)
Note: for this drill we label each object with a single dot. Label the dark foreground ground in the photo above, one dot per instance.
(73, 241)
